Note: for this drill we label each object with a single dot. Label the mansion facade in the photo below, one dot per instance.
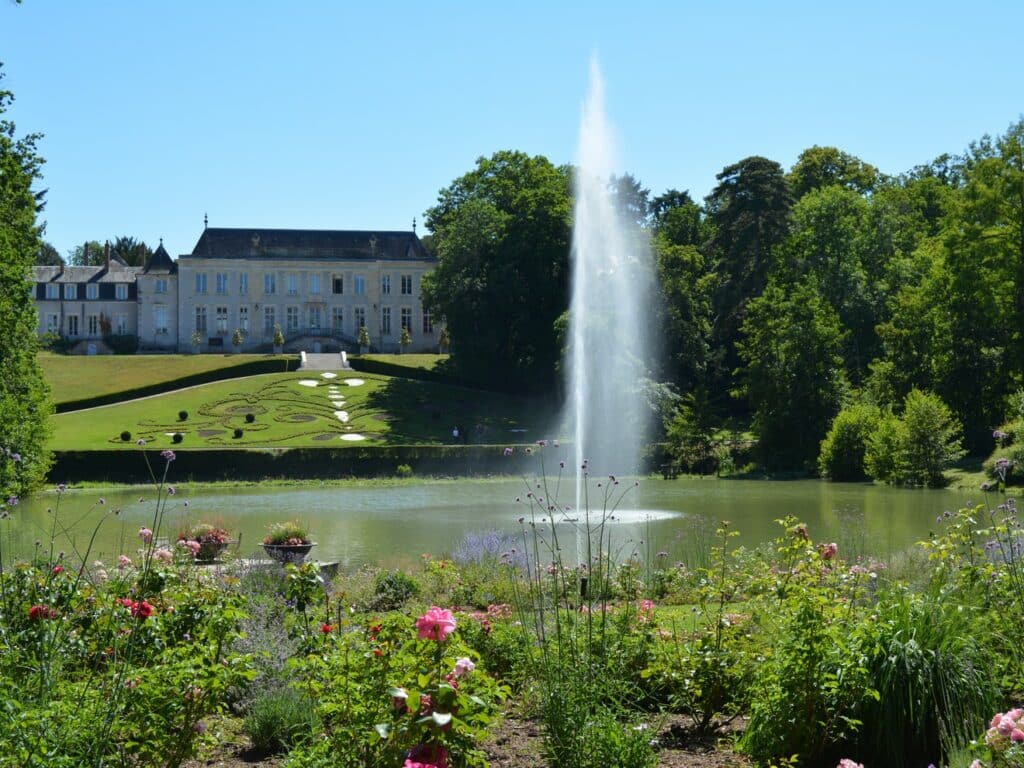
(318, 286)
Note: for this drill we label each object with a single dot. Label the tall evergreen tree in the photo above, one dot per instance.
(24, 397)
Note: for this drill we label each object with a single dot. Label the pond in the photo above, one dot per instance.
(393, 524)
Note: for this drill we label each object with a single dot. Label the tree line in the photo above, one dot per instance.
(785, 296)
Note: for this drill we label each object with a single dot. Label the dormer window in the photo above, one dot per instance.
(92, 291)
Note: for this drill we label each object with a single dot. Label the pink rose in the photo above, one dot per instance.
(847, 762)
(435, 624)
(1006, 726)
(1017, 736)
(828, 551)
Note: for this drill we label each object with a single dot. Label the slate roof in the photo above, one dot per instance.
(118, 273)
(160, 263)
(309, 244)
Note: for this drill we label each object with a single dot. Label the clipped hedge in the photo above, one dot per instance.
(118, 466)
(250, 368)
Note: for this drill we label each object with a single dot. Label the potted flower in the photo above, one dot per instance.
(197, 340)
(363, 339)
(205, 540)
(404, 339)
(287, 542)
(278, 340)
(237, 339)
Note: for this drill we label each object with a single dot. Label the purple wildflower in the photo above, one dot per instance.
(168, 455)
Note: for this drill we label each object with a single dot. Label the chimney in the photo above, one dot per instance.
(106, 255)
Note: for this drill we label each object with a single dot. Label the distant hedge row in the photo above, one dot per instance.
(121, 466)
(250, 368)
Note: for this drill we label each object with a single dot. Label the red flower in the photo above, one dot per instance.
(143, 609)
(326, 629)
(40, 612)
(378, 652)
(57, 569)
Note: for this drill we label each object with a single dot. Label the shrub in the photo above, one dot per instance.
(883, 453)
(178, 437)
(403, 470)
(392, 590)
(842, 451)
(250, 418)
(182, 415)
(279, 720)
(238, 432)
(122, 344)
(933, 438)
(126, 436)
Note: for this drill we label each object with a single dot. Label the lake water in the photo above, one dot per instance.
(394, 524)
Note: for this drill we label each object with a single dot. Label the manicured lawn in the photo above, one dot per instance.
(427, 362)
(287, 413)
(77, 377)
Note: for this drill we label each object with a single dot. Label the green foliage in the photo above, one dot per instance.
(237, 338)
(122, 343)
(24, 397)
(794, 378)
(287, 532)
(363, 337)
(690, 432)
(278, 340)
(918, 446)
(820, 167)
(280, 720)
(403, 470)
(501, 235)
(842, 451)
(404, 338)
(392, 590)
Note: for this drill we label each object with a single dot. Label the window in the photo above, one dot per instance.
(160, 320)
(92, 325)
(200, 282)
(160, 286)
(360, 285)
(201, 319)
(314, 284)
(52, 323)
(243, 319)
(385, 321)
(385, 285)
(293, 285)
(428, 322)
(72, 325)
(407, 318)
(52, 291)
(70, 292)
(268, 320)
(121, 291)
(336, 319)
(121, 324)
(407, 285)
(291, 315)
(243, 283)
(314, 317)
(92, 291)
(359, 317)
(222, 282)
(337, 285)
(222, 319)
(269, 284)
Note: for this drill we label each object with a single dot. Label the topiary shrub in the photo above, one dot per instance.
(126, 436)
(403, 470)
(250, 418)
(392, 590)
(182, 415)
(238, 432)
(178, 437)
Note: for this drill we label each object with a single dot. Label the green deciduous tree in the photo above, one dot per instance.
(820, 167)
(24, 396)
(842, 450)
(502, 236)
(793, 377)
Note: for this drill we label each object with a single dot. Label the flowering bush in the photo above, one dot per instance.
(204, 540)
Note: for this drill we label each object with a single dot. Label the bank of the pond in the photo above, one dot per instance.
(236, 465)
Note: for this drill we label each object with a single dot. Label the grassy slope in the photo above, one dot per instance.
(387, 411)
(79, 377)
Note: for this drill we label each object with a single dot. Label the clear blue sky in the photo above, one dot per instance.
(339, 115)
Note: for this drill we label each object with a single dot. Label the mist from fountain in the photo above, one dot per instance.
(610, 342)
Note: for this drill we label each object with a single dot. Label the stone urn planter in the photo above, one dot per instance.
(288, 553)
(210, 551)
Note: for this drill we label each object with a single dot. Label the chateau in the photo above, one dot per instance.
(319, 286)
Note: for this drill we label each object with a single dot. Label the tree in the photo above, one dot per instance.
(88, 254)
(820, 167)
(678, 219)
(794, 372)
(502, 235)
(750, 210)
(684, 311)
(842, 450)
(24, 397)
(134, 253)
(48, 256)
(630, 199)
